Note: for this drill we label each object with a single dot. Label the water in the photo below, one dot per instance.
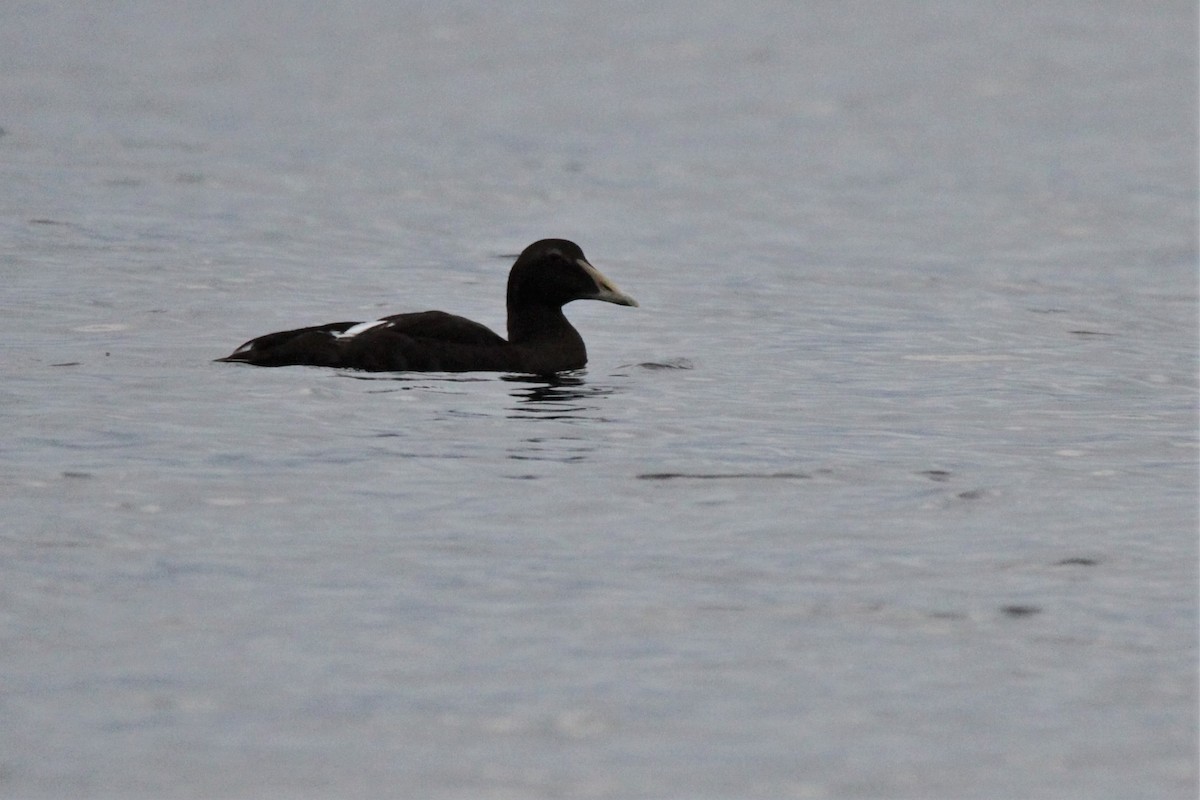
(889, 489)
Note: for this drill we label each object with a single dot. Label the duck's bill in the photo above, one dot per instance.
(606, 290)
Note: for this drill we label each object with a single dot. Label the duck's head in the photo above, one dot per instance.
(553, 272)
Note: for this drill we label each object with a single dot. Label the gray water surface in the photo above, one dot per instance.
(889, 488)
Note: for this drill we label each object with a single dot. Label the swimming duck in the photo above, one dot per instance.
(546, 276)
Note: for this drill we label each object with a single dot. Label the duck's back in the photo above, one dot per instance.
(438, 326)
(428, 341)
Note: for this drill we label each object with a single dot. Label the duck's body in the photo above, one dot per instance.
(545, 277)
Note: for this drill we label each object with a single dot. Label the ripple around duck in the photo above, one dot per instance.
(668, 363)
(708, 476)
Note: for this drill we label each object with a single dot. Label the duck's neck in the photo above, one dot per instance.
(536, 322)
(546, 339)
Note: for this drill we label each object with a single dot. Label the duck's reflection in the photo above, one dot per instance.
(404, 381)
(558, 404)
(561, 400)
(562, 396)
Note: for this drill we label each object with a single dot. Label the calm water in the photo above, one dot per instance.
(889, 488)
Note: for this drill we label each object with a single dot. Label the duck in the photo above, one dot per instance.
(547, 275)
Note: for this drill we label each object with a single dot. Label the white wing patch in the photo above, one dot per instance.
(355, 330)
